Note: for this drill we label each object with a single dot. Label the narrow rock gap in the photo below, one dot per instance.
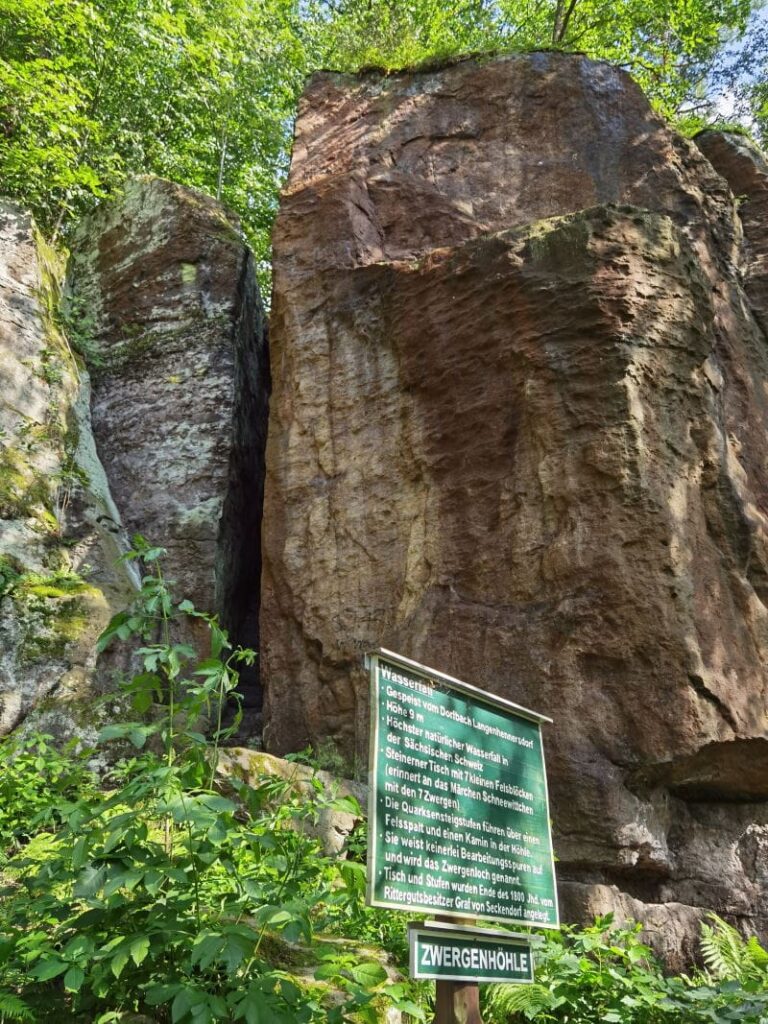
(238, 561)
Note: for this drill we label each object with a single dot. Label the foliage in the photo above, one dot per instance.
(728, 957)
(162, 895)
(38, 785)
(204, 91)
(165, 890)
(738, 81)
(13, 1008)
(211, 86)
(605, 973)
(668, 47)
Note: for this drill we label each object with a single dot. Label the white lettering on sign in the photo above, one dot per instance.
(472, 958)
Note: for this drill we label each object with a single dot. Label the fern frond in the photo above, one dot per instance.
(529, 1000)
(728, 956)
(13, 1008)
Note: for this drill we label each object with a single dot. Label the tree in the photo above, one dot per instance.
(667, 46)
(201, 91)
(204, 91)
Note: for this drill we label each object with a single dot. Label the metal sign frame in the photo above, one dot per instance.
(434, 678)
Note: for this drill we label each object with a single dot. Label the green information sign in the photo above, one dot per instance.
(469, 955)
(458, 814)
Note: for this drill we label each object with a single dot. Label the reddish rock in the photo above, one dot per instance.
(517, 433)
(745, 169)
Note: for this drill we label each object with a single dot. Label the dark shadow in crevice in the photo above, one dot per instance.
(238, 568)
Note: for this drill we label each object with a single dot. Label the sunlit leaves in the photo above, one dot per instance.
(204, 91)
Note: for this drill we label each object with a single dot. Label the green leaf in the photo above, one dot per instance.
(138, 949)
(138, 736)
(369, 974)
(81, 946)
(236, 949)
(347, 805)
(181, 1006)
(119, 960)
(45, 970)
(74, 979)
(254, 1008)
(219, 804)
(156, 995)
(90, 880)
(326, 971)
(79, 853)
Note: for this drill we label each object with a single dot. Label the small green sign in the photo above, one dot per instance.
(458, 815)
(469, 955)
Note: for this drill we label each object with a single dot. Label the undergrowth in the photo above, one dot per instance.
(606, 973)
(161, 890)
(149, 891)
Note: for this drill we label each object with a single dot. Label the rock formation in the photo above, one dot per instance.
(161, 432)
(172, 331)
(746, 170)
(517, 433)
(60, 533)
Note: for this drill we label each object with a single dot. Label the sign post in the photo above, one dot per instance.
(458, 819)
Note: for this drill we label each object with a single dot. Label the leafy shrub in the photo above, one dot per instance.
(605, 973)
(154, 893)
(38, 784)
(161, 895)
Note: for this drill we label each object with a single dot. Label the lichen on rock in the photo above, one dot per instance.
(59, 582)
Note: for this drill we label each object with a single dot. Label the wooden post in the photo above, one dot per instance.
(457, 1002)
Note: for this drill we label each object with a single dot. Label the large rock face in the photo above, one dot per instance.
(161, 432)
(517, 432)
(60, 533)
(172, 330)
(746, 170)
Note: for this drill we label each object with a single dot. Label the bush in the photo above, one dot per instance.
(605, 973)
(38, 785)
(160, 895)
(151, 892)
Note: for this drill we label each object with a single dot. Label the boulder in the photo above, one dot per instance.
(516, 433)
(162, 294)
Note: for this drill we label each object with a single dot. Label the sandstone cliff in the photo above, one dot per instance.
(517, 432)
(151, 419)
(519, 346)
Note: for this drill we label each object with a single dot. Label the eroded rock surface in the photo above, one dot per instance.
(60, 533)
(171, 326)
(151, 419)
(745, 169)
(517, 432)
